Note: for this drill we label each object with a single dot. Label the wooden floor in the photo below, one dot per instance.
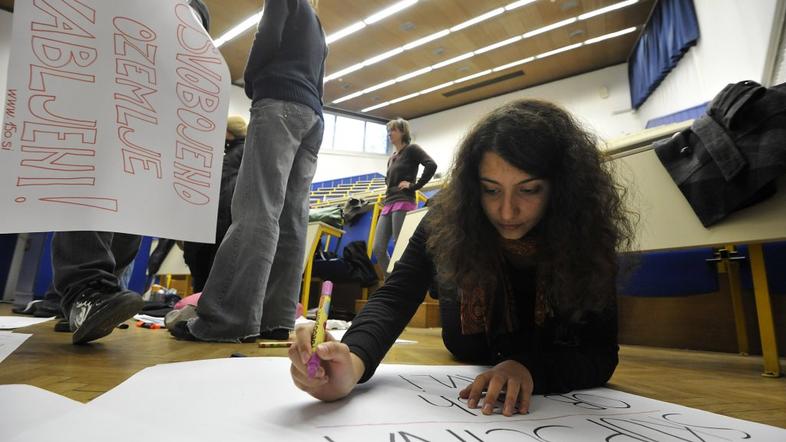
(718, 382)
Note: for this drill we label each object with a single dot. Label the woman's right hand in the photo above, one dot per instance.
(339, 370)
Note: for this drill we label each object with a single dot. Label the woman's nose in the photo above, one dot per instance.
(509, 210)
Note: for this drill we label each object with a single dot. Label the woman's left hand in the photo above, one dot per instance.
(404, 185)
(510, 376)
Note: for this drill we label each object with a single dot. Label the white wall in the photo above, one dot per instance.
(611, 117)
(5, 50)
(239, 104)
(331, 165)
(733, 45)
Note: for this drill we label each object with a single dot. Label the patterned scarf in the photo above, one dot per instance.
(496, 311)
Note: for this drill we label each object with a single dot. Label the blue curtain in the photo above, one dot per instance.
(670, 32)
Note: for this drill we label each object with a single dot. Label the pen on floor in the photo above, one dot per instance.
(149, 325)
(275, 344)
(318, 333)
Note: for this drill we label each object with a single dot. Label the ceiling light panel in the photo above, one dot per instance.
(607, 9)
(518, 4)
(377, 106)
(473, 76)
(550, 27)
(478, 19)
(450, 61)
(351, 29)
(387, 12)
(426, 39)
(243, 26)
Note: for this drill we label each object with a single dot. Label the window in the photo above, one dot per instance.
(376, 138)
(350, 133)
(330, 130)
(354, 135)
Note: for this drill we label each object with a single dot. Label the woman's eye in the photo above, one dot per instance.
(531, 190)
(490, 191)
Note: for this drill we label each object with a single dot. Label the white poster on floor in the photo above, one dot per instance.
(253, 399)
(114, 120)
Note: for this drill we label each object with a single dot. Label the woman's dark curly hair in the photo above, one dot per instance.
(584, 225)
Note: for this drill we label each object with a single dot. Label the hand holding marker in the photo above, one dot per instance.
(318, 333)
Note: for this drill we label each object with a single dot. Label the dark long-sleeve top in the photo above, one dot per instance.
(287, 58)
(561, 355)
(403, 166)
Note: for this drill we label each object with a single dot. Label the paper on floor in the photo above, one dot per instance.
(23, 407)
(9, 342)
(12, 322)
(256, 398)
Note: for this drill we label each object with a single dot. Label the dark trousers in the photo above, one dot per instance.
(80, 258)
(199, 258)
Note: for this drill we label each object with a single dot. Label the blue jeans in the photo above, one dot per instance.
(254, 283)
(79, 258)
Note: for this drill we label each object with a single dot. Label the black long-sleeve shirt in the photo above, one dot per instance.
(287, 58)
(404, 167)
(561, 355)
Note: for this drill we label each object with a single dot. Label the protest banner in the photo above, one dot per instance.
(114, 120)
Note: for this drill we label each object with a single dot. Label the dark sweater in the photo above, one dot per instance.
(287, 59)
(561, 355)
(403, 166)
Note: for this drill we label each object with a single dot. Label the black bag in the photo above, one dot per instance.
(354, 266)
(730, 157)
(329, 267)
(354, 208)
(359, 264)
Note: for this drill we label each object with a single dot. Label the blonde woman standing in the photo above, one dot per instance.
(402, 183)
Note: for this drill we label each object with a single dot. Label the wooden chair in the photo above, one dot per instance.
(316, 230)
(174, 272)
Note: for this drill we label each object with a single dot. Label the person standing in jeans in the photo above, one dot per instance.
(253, 286)
(402, 184)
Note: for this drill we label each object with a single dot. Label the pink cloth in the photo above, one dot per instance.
(188, 300)
(399, 206)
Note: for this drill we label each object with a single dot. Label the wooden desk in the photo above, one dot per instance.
(668, 222)
(316, 230)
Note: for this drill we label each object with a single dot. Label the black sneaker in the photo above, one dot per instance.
(98, 310)
(277, 334)
(181, 332)
(62, 325)
(47, 309)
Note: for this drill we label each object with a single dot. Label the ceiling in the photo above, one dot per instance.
(427, 17)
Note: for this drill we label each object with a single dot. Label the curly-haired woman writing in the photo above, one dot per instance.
(521, 244)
